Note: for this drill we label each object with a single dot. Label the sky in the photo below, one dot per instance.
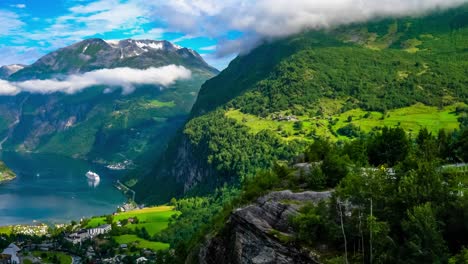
(218, 29)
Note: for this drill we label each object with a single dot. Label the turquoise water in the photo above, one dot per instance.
(54, 189)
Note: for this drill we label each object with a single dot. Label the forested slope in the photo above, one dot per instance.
(331, 84)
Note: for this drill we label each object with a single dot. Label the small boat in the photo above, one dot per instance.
(92, 176)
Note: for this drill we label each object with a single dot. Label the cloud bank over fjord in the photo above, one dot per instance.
(259, 20)
(124, 78)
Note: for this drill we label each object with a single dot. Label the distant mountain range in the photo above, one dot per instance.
(101, 124)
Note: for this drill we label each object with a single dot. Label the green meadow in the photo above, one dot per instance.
(141, 243)
(411, 119)
(154, 219)
(159, 104)
(5, 230)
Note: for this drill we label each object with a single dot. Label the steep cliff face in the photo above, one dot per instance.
(261, 233)
(183, 162)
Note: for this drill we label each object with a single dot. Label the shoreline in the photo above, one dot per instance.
(7, 180)
(5, 170)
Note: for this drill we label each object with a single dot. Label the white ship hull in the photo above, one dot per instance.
(92, 176)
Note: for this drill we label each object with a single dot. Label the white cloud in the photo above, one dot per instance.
(208, 48)
(18, 54)
(6, 88)
(126, 78)
(153, 34)
(95, 18)
(258, 20)
(21, 6)
(10, 23)
(264, 19)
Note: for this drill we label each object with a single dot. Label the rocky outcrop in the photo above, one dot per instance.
(261, 232)
(179, 170)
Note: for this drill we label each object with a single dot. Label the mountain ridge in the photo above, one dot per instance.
(318, 79)
(95, 53)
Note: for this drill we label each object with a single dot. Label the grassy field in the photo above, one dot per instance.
(159, 104)
(48, 256)
(411, 119)
(5, 230)
(257, 124)
(141, 243)
(154, 219)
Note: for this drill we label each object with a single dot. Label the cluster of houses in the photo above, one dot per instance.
(85, 234)
(31, 230)
(10, 255)
(280, 117)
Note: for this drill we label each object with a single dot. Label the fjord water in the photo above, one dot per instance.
(54, 189)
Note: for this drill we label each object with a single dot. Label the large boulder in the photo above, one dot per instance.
(261, 232)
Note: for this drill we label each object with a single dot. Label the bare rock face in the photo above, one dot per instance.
(260, 233)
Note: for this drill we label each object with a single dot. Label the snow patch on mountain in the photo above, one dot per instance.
(152, 45)
(113, 43)
(13, 68)
(7, 70)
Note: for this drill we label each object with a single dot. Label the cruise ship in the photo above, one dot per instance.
(92, 176)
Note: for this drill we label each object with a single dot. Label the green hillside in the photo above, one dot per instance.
(350, 124)
(411, 73)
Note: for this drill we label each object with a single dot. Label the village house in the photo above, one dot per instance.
(99, 230)
(78, 237)
(141, 260)
(10, 255)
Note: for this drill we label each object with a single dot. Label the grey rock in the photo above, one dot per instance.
(250, 233)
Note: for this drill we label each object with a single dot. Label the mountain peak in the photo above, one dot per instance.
(96, 53)
(7, 70)
(147, 44)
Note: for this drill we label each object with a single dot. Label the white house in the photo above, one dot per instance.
(12, 251)
(79, 237)
(99, 230)
(141, 260)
